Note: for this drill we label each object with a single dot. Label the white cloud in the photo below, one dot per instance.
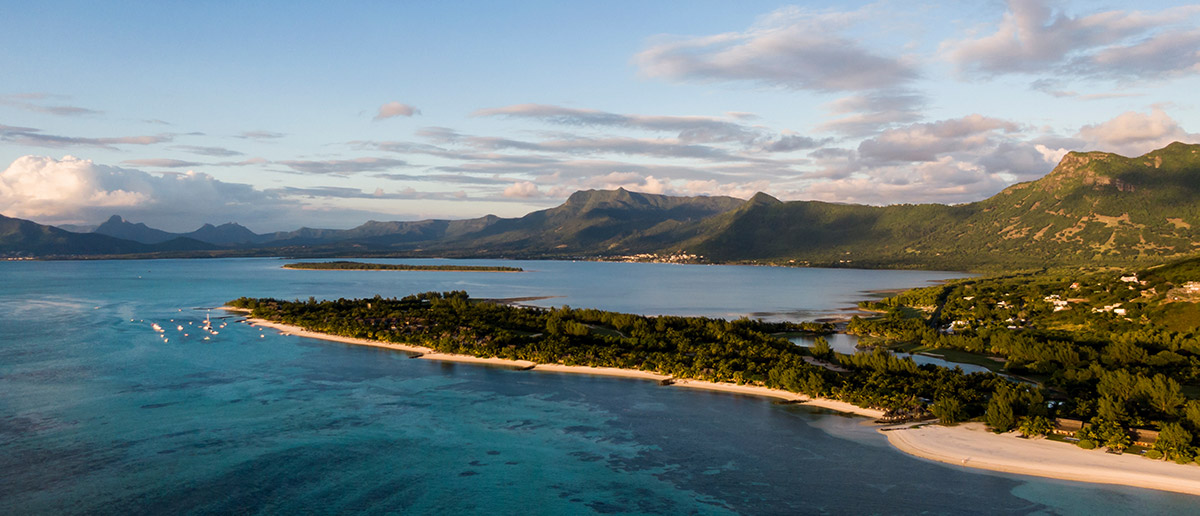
(945, 180)
(864, 114)
(1133, 134)
(522, 190)
(790, 47)
(1034, 37)
(1051, 155)
(927, 141)
(77, 190)
(395, 109)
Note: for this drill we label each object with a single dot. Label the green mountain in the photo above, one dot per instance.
(116, 226)
(596, 221)
(22, 238)
(1097, 207)
(1094, 208)
(229, 234)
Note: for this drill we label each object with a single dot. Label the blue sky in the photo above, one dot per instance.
(281, 114)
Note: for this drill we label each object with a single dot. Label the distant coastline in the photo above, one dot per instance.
(361, 266)
(967, 445)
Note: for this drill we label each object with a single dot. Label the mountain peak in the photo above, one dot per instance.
(762, 198)
(117, 226)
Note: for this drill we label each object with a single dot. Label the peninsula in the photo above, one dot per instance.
(740, 356)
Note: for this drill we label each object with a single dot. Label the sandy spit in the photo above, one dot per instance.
(430, 354)
(971, 445)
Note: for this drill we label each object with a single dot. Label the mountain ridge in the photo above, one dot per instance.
(1093, 207)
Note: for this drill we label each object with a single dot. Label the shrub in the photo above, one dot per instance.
(1086, 444)
(1154, 454)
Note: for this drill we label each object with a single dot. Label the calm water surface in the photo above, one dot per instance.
(99, 415)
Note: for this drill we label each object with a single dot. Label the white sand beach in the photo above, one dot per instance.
(753, 390)
(971, 445)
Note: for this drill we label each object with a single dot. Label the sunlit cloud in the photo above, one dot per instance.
(791, 47)
(395, 109)
(1133, 133)
(1034, 36)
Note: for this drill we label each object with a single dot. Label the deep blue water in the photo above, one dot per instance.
(99, 415)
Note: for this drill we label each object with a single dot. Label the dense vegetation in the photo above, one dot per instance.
(741, 351)
(360, 266)
(1119, 349)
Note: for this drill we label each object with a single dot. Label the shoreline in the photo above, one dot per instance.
(966, 445)
(973, 446)
(430, 354)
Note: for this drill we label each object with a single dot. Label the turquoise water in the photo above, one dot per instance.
(99, 415)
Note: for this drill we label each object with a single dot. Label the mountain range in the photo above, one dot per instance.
(1093, 208)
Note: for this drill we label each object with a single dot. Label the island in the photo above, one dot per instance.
(360, 266)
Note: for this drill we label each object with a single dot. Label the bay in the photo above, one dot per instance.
(99, 415)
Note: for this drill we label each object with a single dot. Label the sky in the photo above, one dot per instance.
(278, 115)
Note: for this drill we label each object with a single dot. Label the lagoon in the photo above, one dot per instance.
(99, 415)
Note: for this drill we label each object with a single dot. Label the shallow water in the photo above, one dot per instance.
(99, 415)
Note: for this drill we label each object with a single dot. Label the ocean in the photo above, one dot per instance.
(98, 415)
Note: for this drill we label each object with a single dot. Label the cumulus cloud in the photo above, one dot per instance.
(792, 143)
(791, 47)
(76, 190)
(926, 141)
(1133, 134)
(395, 109)
(1034, 37)
(945, 180)
(661, 185)
(522, 190)
(344, 166)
